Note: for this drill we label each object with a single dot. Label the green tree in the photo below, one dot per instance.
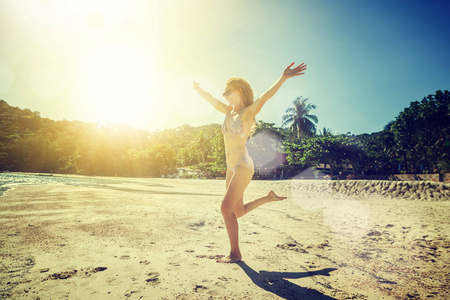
(299, 118)
(218, 155)
(422, 131)
(201, 146)
(161, 160)
(271, 129)
(334, 150)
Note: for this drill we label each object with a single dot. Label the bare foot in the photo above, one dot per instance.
(232, 258)
(273, 197)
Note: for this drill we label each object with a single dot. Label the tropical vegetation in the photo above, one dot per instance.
(417, 140)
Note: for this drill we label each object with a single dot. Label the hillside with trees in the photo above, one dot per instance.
(418, 140)
(30, 143)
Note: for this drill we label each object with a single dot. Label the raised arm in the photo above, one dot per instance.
(255, 108)
(220, 106)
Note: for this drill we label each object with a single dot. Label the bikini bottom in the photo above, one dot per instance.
(243, 159)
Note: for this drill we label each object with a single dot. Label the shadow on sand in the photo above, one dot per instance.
(275, 282)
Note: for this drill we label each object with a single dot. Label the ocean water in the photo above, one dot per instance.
(8, 180)
(127, 184)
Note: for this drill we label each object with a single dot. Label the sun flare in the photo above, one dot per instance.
(121, 85)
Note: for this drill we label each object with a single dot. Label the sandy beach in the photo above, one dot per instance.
(159, 238)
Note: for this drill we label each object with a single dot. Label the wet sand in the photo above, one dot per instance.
(159, 238)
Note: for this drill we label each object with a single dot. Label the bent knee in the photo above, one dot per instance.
(227, 207)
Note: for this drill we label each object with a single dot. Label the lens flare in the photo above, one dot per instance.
(265, 149)
(347, 217)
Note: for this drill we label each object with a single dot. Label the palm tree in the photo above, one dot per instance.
(298, 118)
(201, 145)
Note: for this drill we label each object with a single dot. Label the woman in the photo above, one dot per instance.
(236, 128)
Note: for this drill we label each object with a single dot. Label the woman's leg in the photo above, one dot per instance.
(240, 209)
(235, 191)
(229, 174)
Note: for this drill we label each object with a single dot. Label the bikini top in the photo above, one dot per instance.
(236, 127)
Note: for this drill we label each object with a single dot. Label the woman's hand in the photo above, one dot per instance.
(220, 106)
(297, 71)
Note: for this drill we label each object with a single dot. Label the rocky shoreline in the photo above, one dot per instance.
(409, 190)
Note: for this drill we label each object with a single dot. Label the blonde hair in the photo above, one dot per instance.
(247, 93)
(244, 86)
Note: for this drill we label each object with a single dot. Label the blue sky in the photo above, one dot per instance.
(134, 61)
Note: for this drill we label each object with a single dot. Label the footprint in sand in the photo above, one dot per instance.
(153, 278)
(196, 225)
(199, 288)
(99, 269)
(68, 274)
(364, 255)
(374, 233)
(62, 275)
(325, 244)
(293, 246)
(406, 229)
(210, 256)
(252, 233)
(225, 279)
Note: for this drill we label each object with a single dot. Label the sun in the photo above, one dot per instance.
(121, 85)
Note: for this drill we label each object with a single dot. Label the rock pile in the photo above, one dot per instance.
(409, 190)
